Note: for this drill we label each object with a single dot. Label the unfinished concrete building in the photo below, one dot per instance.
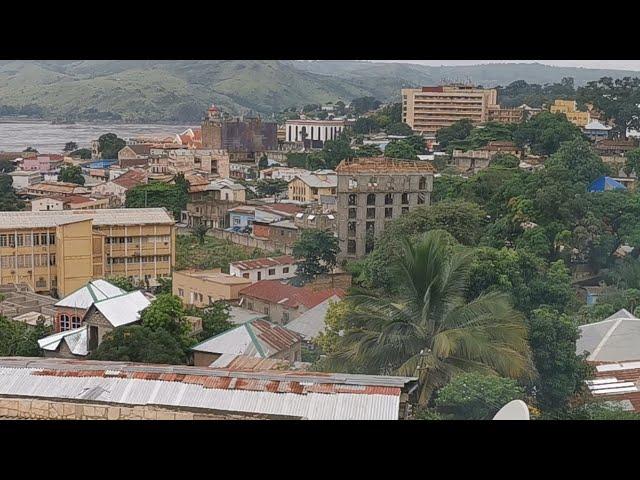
(373, 191)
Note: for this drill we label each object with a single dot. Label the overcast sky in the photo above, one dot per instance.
(615, 64)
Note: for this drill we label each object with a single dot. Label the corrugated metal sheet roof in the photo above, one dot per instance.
(312, 322)
(100, 217)
(309, 395)
(123, 309)
(75, 339)
(92, 292)
(615, 339)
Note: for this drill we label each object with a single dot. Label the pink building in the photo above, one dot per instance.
(42, 163)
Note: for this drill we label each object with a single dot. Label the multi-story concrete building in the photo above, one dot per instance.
(22, 179)
(569, 108)
(42, 163)
(374, 191)
(428, 109)
(59, 252)
(313, 133)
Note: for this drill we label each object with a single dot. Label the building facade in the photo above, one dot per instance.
(270, 268)
(428, 109)
(200, 288)
(58, 252)
(309, 187)
(374, 191)
(313, 133)
(570, 110)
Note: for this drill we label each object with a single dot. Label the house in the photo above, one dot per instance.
(312, 322)
(241, 216)
(105, 315)
(284, 231)
(282, 173)
(61, 189)
(66, 344)
(256, 338)
(613, 347)
(596, 130)
(270, 268)
(117, 188)
(42, 163)
(309, 187)
(71, 202)
(283, 302)
(70, 312)
(50, 388)
(200, 288)
(134, 155)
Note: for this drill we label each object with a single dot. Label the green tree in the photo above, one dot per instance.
(477, 396)
(270, 187)
(632, 162)
(109, 145)
(165, 286)
(545, 132)
(368, 151)
(18, 339)
(315, 253)
(71, 174)
(83, 153)
(6, 166)
(9, 201)
(200, 232)
(400, 149)
(335, 151)
(617, 99)
(429, 329)
(172, 197)
(457, 131)
(215, 320)
(30, 149)
(335, 322)
(138, 343)
(399, 128)
(167, 313)
(561, 373)
(365, 126)
(70, 146)
(364, 104)
(505, 160)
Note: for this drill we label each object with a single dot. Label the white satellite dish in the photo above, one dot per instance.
(514, 410)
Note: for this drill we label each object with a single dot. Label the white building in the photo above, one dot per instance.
(22, 179)
(314, 131)
(271, 268)
(282, 173)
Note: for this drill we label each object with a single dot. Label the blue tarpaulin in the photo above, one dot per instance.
(605, 183)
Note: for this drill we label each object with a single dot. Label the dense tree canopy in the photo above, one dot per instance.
(109, 145)
(315, 253)
(171, 196)
(71, 174)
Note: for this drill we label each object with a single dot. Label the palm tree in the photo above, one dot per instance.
(430, 330)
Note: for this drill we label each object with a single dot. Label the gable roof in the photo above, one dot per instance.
(315, 181)
(605, 183)
(276, 291)
(92, 292)
(312, 322)
(614, 339)
(75, 339)
(130, 179)
(123, 309)
(256, 338)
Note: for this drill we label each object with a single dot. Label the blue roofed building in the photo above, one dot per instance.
(605, 183)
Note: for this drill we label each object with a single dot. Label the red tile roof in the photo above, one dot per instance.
(276, 291)
(264, 262)
(130, 179)
(622, 372)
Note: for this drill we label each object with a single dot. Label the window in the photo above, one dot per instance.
(19, 240)
(52, 260)
(373, 182)
(388, 199)
(285, 270)
(422, 184)
(28, 240)
(353, 199)
(64, 323)
(405, 210)
(371, 213)
(405, 199)
(285, 317)
(180, 292)
(352, 213)
(43, 238)
(371, 199)
(236, 221)
(266, 310)
(388, 212)
(259, 275)
(245, 275)
(75, 322)
(351, 229)
(36, 239)
(41, 283)
(250, 305)
(351, 246)
(353, 183)
(421, 198)
(52, 239)
(3, 241)
(272, 271)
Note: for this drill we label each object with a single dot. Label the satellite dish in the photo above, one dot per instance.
(514, 410)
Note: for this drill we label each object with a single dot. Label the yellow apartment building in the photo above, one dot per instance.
(569, 108)
(59, 252)
(428, 109)
(200, 288)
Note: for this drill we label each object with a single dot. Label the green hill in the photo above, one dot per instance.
(178, 91)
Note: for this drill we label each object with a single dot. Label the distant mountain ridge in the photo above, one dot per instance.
(178, 91)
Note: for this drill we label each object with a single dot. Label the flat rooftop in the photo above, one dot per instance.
(383, 165)
(215, 276)
(100, 217)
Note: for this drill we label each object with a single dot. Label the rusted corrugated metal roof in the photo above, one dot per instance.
(309, 395)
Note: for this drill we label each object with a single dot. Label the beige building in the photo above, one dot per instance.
(309, 187)
(59, 252)
(73, 202)
(201, 288)
(569, 108)
(116, 189)
(61, 189)
(428, 109)
(269, 268)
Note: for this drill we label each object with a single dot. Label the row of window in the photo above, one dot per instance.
(140, 259)
(352, 199)
(141, 240)
(27, 239)
(27, 261)
(69, 323)
(373, 183)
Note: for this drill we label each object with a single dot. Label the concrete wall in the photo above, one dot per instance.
(252, 242)
(55, 409)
